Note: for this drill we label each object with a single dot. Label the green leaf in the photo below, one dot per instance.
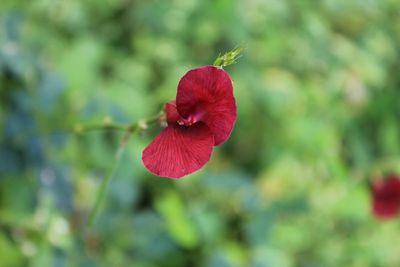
(180, 227)
(9, 254)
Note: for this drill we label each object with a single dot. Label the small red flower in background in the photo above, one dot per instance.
(202, 117)
(386, 197)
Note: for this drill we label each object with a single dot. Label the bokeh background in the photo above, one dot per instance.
(318, 94)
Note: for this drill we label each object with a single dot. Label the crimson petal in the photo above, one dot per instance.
(385, 210)
(206, 94)
(172, 114)
(179, 150)
(386, 197)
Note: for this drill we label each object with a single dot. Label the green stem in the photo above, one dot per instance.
(129, 130)
(102, 193)
(90, 127)
(81, 128)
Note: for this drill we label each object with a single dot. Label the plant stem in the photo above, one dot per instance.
(108, 125)
(100, 126)
(102, 193)
(129, 130)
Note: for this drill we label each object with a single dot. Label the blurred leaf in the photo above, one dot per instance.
(180, 227)
(10, 254)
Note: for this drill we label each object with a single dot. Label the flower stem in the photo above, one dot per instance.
(90, 127)
(129, 130)
(106, 124)
(102, 193)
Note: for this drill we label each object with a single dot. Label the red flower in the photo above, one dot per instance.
(386, 197)
(202, 117)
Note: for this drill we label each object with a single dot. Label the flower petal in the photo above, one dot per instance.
(386, 197)
(179, 150)
(385, 209)
(172, 114)
(206, 94)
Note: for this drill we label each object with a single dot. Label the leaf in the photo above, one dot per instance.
(180, 227)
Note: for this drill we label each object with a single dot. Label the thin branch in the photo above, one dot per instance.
(129, 130)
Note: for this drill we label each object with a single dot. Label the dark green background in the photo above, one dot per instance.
(318, 95)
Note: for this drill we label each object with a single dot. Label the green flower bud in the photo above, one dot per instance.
(228, 58)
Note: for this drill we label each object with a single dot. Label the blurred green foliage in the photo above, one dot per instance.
(318, 94)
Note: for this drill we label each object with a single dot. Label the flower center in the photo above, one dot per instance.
(189, 121)
(192, 119)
